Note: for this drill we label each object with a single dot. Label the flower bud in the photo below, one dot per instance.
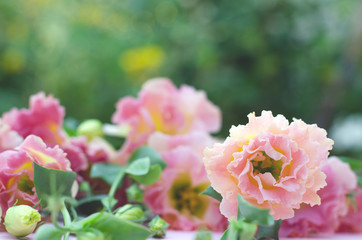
(90, 128)
(134, 193)
(21, 220)
(158, 226)
(130, 212)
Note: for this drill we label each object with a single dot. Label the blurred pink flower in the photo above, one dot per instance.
(351, 222)
(325, 218)
(16, 175)
(161, 107)
(8, 138)
(270, 163)
(44, 118)
(175, 196)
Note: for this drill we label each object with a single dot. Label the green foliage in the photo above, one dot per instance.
(49, 182)
(269, 232)
(148, 152)
(115, 228)
(145, 165)
(248, 219)
(251, 213)
(139, 167)
(210, 191)
(106, 171)
(46, 232)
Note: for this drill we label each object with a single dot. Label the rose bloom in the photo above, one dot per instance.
(44, 118)
(325, 218)
(175, 196)
(270, 163)
(161, 107)
(8, 138)
(16, 175)
(351, 222)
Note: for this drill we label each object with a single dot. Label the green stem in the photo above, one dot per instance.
(67, 220)
(114, 188)
(116, 183)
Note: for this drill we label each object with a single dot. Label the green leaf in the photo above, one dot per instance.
(146, 151)
(151, 177)
(115, 228)
(109, 202)
(210, 191)
(241, 230)
(139, 167)
(51, 181)
(253, 214)
(225, 235)
(107, 172)
(46, 232)
(269, 232)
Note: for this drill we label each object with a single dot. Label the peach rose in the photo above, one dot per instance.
(270, 163)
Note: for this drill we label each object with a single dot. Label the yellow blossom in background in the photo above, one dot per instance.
(140, 59)
(12, 60)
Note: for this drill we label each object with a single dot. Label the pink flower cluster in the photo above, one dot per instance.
(327, 217)
(16, 175)
(44, 118)
(161, 107)
(176, 123)
(46, 143)
(271, 163)
(176, 195)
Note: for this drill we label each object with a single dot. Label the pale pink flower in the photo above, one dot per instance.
(8, 138)
(351, 222)
(16, 175)
(270, 163)
(175, 196)
(325, 218)
(161, 107)
(44, 118)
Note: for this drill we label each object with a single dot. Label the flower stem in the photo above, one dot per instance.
(113, 189)
(67, 220)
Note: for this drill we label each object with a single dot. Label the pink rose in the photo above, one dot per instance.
(270, 163)
(175, 196)
(16, 175)
(44, 118)
(8, 138)
(325, 218)
(351, 222)
(162, 107)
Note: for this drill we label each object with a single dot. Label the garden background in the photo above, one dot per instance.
(300, 58)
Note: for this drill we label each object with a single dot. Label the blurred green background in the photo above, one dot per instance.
(299, 58)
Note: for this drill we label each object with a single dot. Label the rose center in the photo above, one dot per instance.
(262, 163)
(186, 199)
(26, 185)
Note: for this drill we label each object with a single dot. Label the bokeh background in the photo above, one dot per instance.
(299, 58)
